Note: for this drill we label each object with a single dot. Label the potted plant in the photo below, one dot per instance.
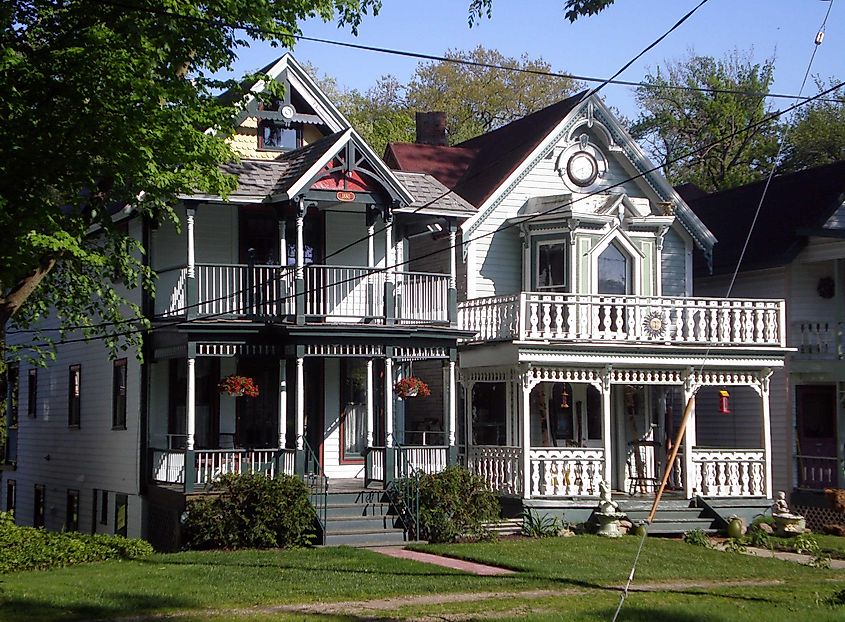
(238, 386)
(411, 387)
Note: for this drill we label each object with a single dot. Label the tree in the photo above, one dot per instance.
(477, 99)
(104, 108)
(679, 127)
(381, 115)
(574, 8)
(817, 132)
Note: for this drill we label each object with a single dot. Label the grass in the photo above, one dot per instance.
(571, 578)
(832, 545)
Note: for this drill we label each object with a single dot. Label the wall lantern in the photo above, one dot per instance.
(724, 402)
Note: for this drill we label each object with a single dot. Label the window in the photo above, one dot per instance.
(104, 507)
(32, 393)
(72, 511)
(614, 271)
(13, 388)
(276, 136)
(74, 386)
(121, 503)
(38, 506)
(118, 399)
(550, 266)
(11, 495)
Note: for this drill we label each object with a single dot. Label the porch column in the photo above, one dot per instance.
(606, 410)
(191, 289)
(371, 263)
(767, 428)
(300, 403)
(452, 311)
(191, 404)
(283, 404)
(525, 417)
(388, 402)
(468, 410)
(299, 271)
(452, 408)
(370, 403)
(390, 268)
(689, 443)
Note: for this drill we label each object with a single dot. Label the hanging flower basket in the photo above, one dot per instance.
(411, 387)
(238, 386)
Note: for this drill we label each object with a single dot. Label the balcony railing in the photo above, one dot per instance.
(729, 472)
(168, 466)
(818, 340)
(330, 293)
(531, 316)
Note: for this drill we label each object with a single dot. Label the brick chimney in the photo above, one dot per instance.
(431, 128)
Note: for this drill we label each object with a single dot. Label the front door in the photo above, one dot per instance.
(353, 405)
(815, 407)
(258, 417)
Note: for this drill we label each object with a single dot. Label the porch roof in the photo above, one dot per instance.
(432, 197)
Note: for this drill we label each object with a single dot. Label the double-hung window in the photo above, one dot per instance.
(74, 395)
(550, 265)
(118, 409)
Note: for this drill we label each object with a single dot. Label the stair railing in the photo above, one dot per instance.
(318, 488)
(404, 493)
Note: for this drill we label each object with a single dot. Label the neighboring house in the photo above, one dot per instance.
(587, 340)
(796, 252)
(298, 280)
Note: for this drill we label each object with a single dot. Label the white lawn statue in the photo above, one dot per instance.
(786, 523)
(607, 513)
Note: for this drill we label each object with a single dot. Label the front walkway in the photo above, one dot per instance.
(481, 570)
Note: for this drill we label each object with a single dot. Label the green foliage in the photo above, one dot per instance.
(817, 132)
(250, 511)
(28, 548)
(735, 545)
(805, 544)
(837, 599)
(536, 525)
(573, 9)
(455, 504)
(697, 537)
(678, 126)
(105, 111)
(757, 537)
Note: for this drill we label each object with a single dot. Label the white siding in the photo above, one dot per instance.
(673, 264)
(343, 228)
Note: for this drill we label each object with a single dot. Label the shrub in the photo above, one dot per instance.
(455, 504)
(536, 525)
(28, 548)
(696, 537)
(250, 511)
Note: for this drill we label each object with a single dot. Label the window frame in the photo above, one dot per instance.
(121, 506)
(11, 495)
(118, 412)
(39, 505)
(12, 396)
(72, 510)
(295, 127)
(32, 393)
(537, 243)
(104, 507)
(74, 395)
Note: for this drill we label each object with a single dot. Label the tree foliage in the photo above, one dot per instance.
(104, 110)
(699, 134)
(817, 132)
(573, 9)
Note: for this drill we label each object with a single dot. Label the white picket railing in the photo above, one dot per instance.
(729, 472)
(168, 466)
(426, 459)
(170, 292)
(344, 291)
(566, 472)
(422, 297)
(374, 464)
(533, 316)
(817, 472)
(500, 467)
(235, 289)
(818, 340)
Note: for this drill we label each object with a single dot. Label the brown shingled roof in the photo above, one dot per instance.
(795, 205)
(476, 167)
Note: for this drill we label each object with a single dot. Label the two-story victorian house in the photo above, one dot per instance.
(796, 253)
(587, 339)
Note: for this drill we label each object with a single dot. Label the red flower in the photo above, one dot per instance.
(411, 387)
(238, 386)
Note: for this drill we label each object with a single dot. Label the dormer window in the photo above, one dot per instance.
(550, 265)
(614, 271)
(278, 136)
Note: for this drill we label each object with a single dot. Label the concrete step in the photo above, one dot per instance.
(363, 538)
(335, 524)
(635, 515)
(360, 496)
(353, 510)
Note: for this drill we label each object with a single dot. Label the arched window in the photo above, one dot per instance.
(614, 271)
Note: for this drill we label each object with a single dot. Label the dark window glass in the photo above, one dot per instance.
(551, 266)
(38, 506)
(121, 503)
(104, 508)
(74, 393)
(594, 417)
(32, 392)
(72, 511)
(118, 417)
(11, 495)
(278, 136)
(613, 271)
(13, 388)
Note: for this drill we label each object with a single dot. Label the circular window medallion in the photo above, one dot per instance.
(582, 168)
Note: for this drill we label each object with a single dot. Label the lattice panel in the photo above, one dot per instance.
(817, 517)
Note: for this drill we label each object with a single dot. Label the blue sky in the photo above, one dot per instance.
(593, 46)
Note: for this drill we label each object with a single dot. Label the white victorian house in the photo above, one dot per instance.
(587, 336)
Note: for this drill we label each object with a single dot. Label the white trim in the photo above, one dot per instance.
(319, 165)
(635, 255)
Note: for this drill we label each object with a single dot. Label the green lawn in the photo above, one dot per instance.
(569, 578)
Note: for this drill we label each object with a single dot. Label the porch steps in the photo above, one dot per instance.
(746, 508)
(361, 518)
(673, 517)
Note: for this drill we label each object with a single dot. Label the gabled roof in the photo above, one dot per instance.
(431, 196)
(477, 167)
(796, 206)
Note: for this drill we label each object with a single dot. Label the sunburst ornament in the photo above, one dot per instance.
(654, 324)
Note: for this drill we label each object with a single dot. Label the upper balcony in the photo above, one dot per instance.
(332, 294)
(614, 319)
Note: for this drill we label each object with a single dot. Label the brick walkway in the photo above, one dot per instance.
(438, 560)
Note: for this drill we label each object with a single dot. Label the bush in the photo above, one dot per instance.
(697, 537)
(250, 511)
(28, 548)
(536, 525)
(455, 504)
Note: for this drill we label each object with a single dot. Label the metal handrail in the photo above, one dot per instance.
(318, 487)
(406, 496)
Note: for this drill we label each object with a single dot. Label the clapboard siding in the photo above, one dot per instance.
(216, 234)
(430, 254)
(805, 303)
(169, 247)
(673, 264)
(345, 228)
(741, 428)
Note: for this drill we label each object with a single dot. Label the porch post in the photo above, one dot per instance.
(281, 304)
(191, 289)
(606, 410)
(371, 263)
(468, 410)
(283, 403)
(370, 403)
(389, 439)
(299, 271)
(452, 311)
(299, 465)
(452, 407)
(767, 428)
(689, 443)
(190, 426)
(525, 417)
(390, 267)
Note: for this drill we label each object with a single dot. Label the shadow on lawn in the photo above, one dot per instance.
(650, 614)
(125, 604)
